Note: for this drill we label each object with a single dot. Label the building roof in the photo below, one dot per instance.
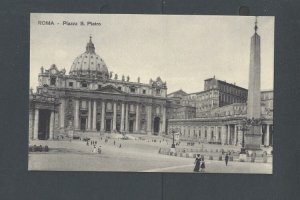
(178, 92)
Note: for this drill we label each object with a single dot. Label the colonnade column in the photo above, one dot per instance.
(126, 117)
(149, 110)
(36, 124)
(76, 114)
(267, 141)
(62, 113)
(137, 118)
(89, 115)
(122, 117)
(115, 117)
(51, 128)
(102, 116)
(94, 115)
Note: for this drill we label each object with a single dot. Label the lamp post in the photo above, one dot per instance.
(173, 144)
(173, 131)
(244, 128)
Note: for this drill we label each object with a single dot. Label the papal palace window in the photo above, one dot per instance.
(99, 86)
(144, 91)
(132, 90)
(119, 88)
(70, 84)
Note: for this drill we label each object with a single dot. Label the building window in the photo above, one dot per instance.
(83, 104)
(158, 91)
(144, 91)
(99, 86)
(84, 84)
(119, 88)
(70, 84)
(53, 81)
(132, 90)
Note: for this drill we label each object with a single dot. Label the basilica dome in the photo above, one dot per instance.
(89, 64)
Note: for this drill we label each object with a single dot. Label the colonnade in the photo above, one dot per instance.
(228, 134)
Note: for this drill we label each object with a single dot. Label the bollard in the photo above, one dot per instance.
(220, 157)
(265, 157)
(46, 148)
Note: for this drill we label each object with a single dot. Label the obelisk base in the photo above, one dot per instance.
(252, 141)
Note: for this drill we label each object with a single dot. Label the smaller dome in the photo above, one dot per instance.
(89, 64)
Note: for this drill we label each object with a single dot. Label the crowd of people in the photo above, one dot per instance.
(97, 148)
(200, 163)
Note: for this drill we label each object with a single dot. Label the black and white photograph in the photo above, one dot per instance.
(151, 93)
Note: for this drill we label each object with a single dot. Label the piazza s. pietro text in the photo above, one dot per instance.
(68, 23)
(84, 115)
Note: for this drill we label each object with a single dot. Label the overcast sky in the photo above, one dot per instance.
(183, 50)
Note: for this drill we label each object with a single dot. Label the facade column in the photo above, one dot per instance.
(137, 118)
(89, 115)
(76, 115)
(267, 141)
(62, 113)
(126, 117)
(122, 117)
(223, 135)
(94, 115)
(51, 128)
(217, 133)
(102, 116)
(149, 120)
(235, 135)
(163, 126)
(36, 124)
(115, 117)
(228, 134)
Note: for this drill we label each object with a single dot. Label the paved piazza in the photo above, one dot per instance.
(134, 155)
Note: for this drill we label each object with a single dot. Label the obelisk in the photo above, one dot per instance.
(253, 135)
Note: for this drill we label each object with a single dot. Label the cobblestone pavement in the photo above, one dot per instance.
(134, 155)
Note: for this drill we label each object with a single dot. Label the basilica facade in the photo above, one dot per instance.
(91, 100)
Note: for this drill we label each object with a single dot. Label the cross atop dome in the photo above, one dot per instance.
(90, 48)
(255, 27)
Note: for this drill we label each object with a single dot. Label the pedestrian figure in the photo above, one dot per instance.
(99, 150)
(197, 163)
(114, 142)
(87, 143)
(120, 146)
(226, 159)
(94, 150)
(202, 166)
